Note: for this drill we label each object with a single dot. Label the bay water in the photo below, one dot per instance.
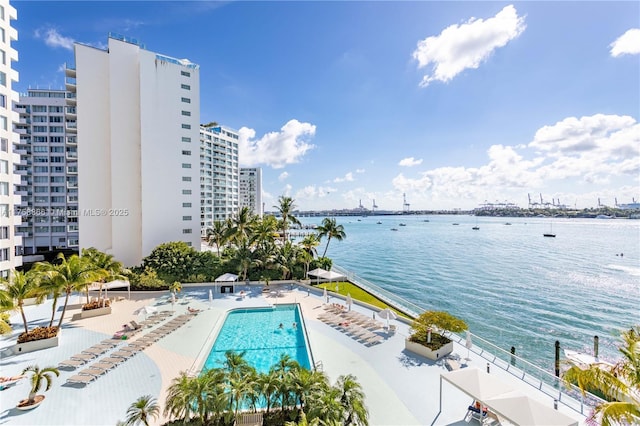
(513, 286)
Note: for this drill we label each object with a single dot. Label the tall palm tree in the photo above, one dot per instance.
(265, 232)
(242, 225)
(40, 377)
(307, 383)
(620, 382)
(217, 235)
(285, 208)
(245, 257)
(49, 285)
(331, 229)
(179, 403)
(352, 400)
(309, 244)
(22, 286)
(106, 265)
(287, 259)
(73, 274)
(326, 406)
(142, 411)
(267, 386)
(282, 370)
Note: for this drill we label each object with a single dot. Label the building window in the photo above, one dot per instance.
(42, 229)
(186, 100)
(40, 129)
(186, 178)
(4, 145)
(186, 217)
(4, 166)
(3, 78)
(4, 233)
(186, 165)
(4, 188)
(3, 100)
(187, 231)
(185, 73)
(41, 169)
(186, 205)
(39, 118)
(55, 119)
(4, 210)
(186, 192)
(4, 254)
(185, 86)
(56, 129)
(39, 108)
(186, 139)
(186, 113)
(185, 152)
(184, 126)
(55, 108)
(57, 139)
(3, 122)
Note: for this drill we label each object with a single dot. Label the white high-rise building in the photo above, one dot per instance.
(138, 118)
(219, 175)
(10, 243)
(49, 184)
(251, 189)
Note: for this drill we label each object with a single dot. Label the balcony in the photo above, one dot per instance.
(71, 112)
(73, 170)
(70, 71)
(70, 84)
(73, 156)
(72, 184)
(71, 99)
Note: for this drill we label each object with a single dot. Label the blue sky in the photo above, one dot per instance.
(452, 103)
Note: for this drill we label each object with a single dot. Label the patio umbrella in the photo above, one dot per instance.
(468, 344)
(146, 310)
(210, 298)
(324, 295)
(349, 301)
(388, 314)
(173, 300)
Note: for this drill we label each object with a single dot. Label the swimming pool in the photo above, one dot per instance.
(257, 332)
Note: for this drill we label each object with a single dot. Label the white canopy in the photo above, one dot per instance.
(503, 399)
(110, 285)
(327, 275)
(226, 278)
(522, 410)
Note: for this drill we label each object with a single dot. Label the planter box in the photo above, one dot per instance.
(95, 312)
(35, 345)
(417, 348)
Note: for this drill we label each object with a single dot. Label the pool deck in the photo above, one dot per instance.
(400, 388)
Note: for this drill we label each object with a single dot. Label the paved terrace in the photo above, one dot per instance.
(400, 388)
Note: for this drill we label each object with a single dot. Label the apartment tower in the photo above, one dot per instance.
(10, 243)
(138, 125)
(49, 172)
(219, 175)
(251, 189)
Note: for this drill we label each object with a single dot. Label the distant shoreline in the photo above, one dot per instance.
(591, 213)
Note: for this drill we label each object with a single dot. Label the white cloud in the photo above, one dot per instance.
(347, 178)
(53, 38)
(627, 44)
(360, 170)
(410, 162)
(464, 46)
(313, 192)
(283, 176)
(276, 149)
(586, 151)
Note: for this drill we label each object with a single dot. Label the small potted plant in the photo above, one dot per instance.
(38, 378)
(429, 334)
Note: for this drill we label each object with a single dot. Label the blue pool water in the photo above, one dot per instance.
(256, 332)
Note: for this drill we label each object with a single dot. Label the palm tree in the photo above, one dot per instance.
(48, 286)
(309, 244)
(73, 274)
(330, 229)
(22, 286)
(142, 410)
(303, 421)
(175, 287)
(620, 382)
(287, 259)
(106, 265)
(285, 208)
(326, 406)
(307, 383)
(282, 371)
(39, 377)
(217, 235)
(242, 225)
(179, 402)
(267, 386)
(352, 400)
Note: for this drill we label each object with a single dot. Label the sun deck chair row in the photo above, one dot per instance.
(355, 331)
(89, 354)
(104, 365)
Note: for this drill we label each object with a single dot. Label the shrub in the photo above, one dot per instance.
(38, 333)
(96, 304)
(147, 279)
(435, 321)
(5, 325)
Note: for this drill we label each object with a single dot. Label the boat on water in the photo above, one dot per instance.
(507, 223)
(549, 234)
(456, 224)
(475, 228)
(403, 224)
(394, 229)
(426, 220)
(378, 223)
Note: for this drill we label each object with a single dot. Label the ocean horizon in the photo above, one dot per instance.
(513, 286)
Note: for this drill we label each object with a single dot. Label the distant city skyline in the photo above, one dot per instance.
(450, 103)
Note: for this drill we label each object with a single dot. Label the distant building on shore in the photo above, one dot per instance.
(138, 115)
(251, 189)
(219, 175)
(10, 243)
